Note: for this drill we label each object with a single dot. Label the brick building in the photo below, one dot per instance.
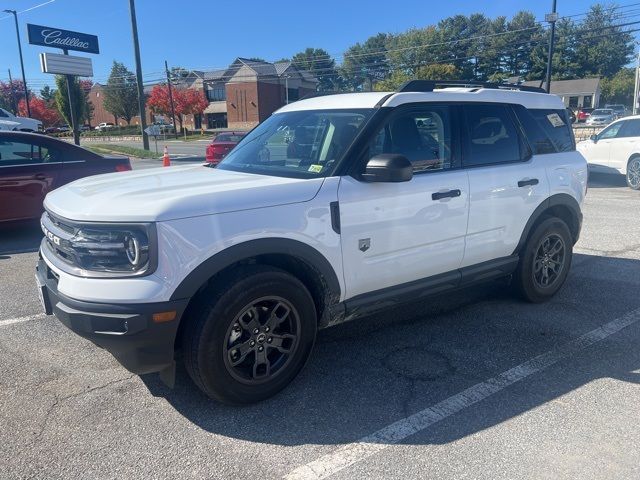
(248, 91)
(101, 115)
(241, 96)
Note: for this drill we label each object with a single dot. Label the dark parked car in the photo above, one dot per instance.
(32, 165)
(221, 145)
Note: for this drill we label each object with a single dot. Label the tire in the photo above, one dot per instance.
(633, 173)
(250, 334)
(537, 260)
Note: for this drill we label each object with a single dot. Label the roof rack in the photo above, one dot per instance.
(431, 85)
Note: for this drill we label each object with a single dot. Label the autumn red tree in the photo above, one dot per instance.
(186, 101)
(40, 111)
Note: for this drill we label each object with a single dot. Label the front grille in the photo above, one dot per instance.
(58, 234)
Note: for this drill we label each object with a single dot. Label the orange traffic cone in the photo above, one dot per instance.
(166, 161)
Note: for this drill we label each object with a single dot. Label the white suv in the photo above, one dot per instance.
(616, 149)
(333, 207)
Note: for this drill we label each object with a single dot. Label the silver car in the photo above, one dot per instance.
(601, 117)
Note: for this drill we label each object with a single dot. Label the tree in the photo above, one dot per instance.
(619, 88)
(187, 101)
(86, 85)
(366, 63)
(564, 64)
(412, 49)
(602, 48)
(41, 110)
(11, 94)
(80, 104)
(319, 63)
(121, 93)
(442, 71)
(47, 93)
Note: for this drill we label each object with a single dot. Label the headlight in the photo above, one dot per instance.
(115, 250)
(101, 249)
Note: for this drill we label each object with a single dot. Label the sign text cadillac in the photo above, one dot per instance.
(64, 39)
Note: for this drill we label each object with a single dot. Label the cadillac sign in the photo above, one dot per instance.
(64, 39)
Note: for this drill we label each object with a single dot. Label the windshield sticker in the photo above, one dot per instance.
(555, 120)
(315, 168)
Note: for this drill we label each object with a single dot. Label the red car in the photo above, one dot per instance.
(221, 145)
(584, 114)
(31, 165)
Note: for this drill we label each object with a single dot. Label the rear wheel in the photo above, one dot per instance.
(250, 335)
(633, 173)
(545, 261)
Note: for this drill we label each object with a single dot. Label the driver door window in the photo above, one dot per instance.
(423, 136)
(611, 131)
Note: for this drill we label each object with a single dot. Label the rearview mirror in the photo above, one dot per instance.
(388, 167)
(594, 138)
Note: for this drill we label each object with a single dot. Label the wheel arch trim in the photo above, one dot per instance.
(557, 200)
(190, 285)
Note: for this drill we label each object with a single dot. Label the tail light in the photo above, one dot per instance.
(123, 167)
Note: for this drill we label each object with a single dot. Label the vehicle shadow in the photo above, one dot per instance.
(607, 180)
(20, 237)
(369, 373)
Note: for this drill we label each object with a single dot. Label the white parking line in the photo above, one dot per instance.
(352, 453)
(12, 321)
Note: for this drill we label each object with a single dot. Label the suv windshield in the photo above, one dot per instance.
(303, 144)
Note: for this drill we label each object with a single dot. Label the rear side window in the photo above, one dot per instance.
(630, 128)
(557, 127)
(548, 131)
(492, 136)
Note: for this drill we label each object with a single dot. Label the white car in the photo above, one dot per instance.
(104, 126)
(370, 200)
(8, 121)
(616, 149)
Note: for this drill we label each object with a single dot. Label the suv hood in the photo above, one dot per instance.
(171, 193)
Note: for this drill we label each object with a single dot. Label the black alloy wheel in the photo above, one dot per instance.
(261, 340)
(548, 262)
(249, 334)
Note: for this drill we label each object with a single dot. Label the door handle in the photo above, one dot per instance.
(40, 176)
(449, 194)
(525, 183)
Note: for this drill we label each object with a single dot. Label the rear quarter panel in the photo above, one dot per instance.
(567, 173)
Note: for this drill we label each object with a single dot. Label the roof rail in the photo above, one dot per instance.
(431, 85)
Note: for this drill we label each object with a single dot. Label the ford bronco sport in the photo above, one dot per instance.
(331, 208)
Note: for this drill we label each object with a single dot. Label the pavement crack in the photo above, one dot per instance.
(59, 400)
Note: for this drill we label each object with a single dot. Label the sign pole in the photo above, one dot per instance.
(72, 113)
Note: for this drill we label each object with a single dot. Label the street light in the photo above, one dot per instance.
(551, 18)
(24, 80)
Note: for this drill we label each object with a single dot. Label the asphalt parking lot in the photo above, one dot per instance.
(471, 385)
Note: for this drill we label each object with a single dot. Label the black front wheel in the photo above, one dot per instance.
(545, 260)
(250, 334)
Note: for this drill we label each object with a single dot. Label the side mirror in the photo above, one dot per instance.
(388, 167)
(594, 138)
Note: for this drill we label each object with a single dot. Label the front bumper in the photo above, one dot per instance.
(127, 331)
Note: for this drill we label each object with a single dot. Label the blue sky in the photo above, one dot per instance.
(201, 34)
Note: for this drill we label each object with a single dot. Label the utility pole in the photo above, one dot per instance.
(136, 49)
(173, 110)
(14, 107)
(286, 89)
(551, 18)
(24, 80)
